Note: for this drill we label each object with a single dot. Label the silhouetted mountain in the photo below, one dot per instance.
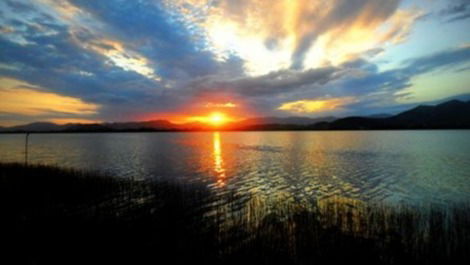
(34, 127)
(452, 114)
(448, 115)
(154, 124)
(283, 121)
(276, 123)
(380, 116)
(94, 127)
(351, 123)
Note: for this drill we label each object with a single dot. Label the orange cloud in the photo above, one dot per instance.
(22, 98)
(311, 106)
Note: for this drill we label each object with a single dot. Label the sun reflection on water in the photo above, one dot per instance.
(218, 160)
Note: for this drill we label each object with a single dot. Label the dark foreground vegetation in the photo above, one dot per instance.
(57, 216)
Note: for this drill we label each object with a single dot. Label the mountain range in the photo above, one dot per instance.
(454, 114)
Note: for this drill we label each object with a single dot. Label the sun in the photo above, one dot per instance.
(217, 118)
(214, 119)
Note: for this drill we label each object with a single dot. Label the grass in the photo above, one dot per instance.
(60, 216)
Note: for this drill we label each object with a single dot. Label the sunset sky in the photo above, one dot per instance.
(119, 60)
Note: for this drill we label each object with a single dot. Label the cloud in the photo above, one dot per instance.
(21, 98)
(212, 105)
(458, 10)
(274, 83)
(358, 79)
(303, 34)
(72, 120)
(118, 55)
(316, 105)
(152, 31)
(437, 61)
(376, 89)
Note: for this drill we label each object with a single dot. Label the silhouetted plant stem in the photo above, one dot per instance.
(26, 148)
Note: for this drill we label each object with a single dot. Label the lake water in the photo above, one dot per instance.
(385, 166)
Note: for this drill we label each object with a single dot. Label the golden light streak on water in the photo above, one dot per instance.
(218, 160)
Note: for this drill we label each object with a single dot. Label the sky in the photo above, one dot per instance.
(82, 61)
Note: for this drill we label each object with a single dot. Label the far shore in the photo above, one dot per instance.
(228, 130)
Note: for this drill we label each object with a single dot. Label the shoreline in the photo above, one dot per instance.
(222, 130)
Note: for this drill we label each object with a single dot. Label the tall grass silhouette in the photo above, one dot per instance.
(63, 216)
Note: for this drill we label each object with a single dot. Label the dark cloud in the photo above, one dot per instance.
(438, 61)
(19, 7)
(274, 83)
(456, 11)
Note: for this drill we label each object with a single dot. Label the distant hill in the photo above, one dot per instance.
(454, 114)
(277, 123)
(35, 127)
(380, 115)
(284, 121)
(154, 125)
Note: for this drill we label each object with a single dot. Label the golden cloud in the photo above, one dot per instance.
(118, 55)
(311, 106)
(220, 105)
(273, 35)
(22, 98)
(72, 120)
(63, 9)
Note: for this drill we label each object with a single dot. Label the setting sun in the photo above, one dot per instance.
(214, 119)
(217, 118)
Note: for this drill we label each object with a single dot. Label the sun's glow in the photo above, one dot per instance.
(217, 118)
(214, 119)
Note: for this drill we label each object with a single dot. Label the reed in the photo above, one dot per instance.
(63, 216)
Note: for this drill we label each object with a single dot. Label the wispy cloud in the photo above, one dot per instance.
(23, 99)
(457, 10)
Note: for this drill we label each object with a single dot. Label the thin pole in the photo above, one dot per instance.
(26, 149)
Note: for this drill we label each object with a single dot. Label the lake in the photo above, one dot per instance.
(383, 166)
